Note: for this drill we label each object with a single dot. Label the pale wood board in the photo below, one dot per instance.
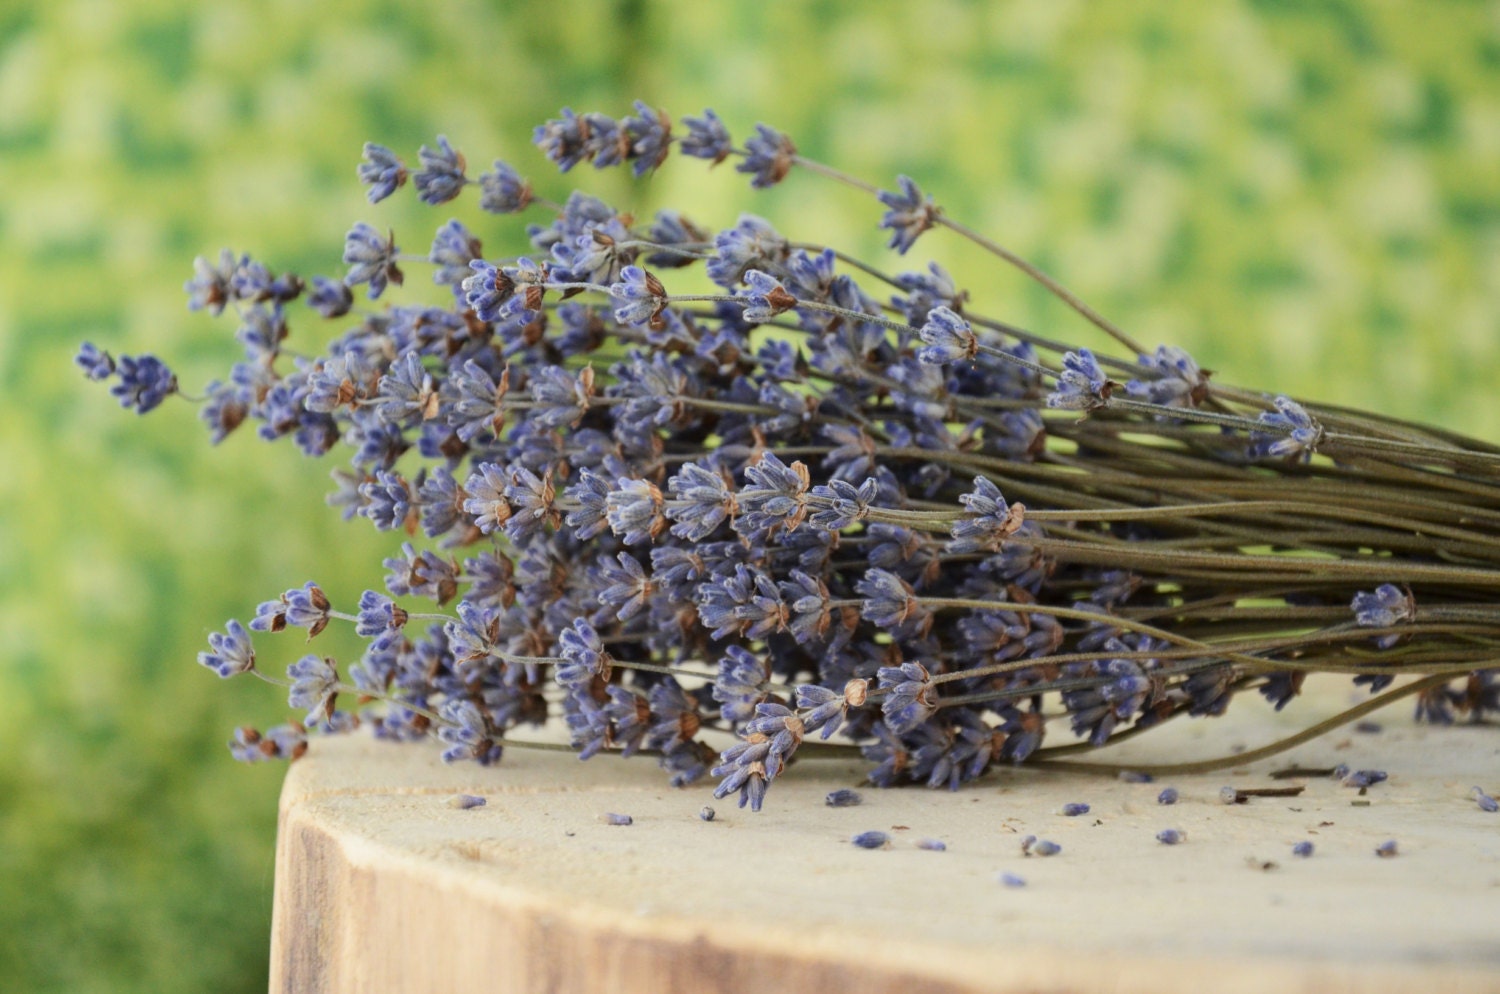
(381, 886)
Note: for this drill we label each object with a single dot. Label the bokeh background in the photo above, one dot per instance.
(1306, 196)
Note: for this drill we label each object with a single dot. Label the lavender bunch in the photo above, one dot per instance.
(720, 495)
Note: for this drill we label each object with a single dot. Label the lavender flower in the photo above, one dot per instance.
(701, 502)
(1082, 385)
(842, 798)
(909, 214)
(871, 840)
(775, 494)
(503, 191)
(487, 290)
(768, 157)
(467, 733)
(910, 698)
(441, 177)
(453, 249)
(746, 602)
(1386, 607)
(990, 520)
(380, 618)
(232, 653)
(1303, 849)
(634, 511)
(381, 171)
(144, 382)
(1177, 380)
(563, 140)
(642, 295)
(889, 602)
(372, 259)
(212, 285)
(96, 365)
(707, 138)
(584, 658)
(315, 686)
(765, 298)
(649, 136)
(738, 685)
(1301, 436)
(751, 244)
(1171, 836)
(287, 742)
(949, 338)
(330, 298)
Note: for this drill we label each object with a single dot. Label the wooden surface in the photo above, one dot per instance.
(382, 886)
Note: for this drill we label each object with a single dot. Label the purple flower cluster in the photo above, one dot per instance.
(688, 534)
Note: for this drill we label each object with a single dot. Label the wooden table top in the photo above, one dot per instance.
(381, 885)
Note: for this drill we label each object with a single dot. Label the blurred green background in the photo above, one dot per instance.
(1307, 196)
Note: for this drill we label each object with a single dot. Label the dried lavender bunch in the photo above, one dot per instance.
(720, 495)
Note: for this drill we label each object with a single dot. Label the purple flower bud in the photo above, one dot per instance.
(381, 171)
(948, 338)
(1300, 435)
(768, 157)
(441, 177)
(707, 138)
(372, 259)
(232, 652)
(1082, 385)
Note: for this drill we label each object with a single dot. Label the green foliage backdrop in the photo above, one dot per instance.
(1304, 195)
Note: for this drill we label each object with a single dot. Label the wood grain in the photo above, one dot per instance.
(381, 886)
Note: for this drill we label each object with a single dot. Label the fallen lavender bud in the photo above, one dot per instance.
(465, 801)
(842, 798)
(1073, 810)
(1386, 849)
(706, 813)
(1044, 848)
(1303, 849)
(610, 818)
(1363, 778)
(871, 840)
(1171, 836)
(1485, 801)
(1167, 796)
(1229, 795)
(933, 845)
(1009, 879)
